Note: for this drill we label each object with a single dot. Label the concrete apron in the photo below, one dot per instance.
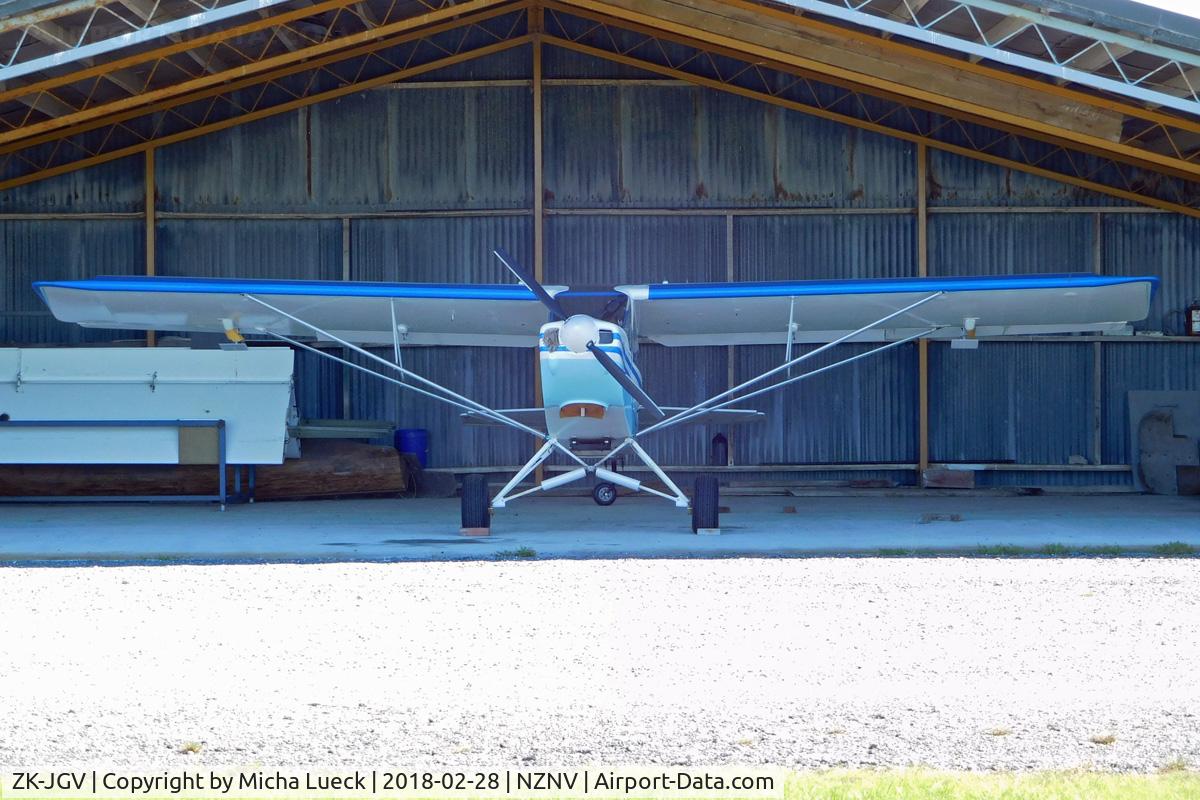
(566, 527)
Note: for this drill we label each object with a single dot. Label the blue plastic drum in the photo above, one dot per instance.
(414, 441)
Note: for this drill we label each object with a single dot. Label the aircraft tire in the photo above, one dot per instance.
(476, 511)
(605, 494)
(706, 503)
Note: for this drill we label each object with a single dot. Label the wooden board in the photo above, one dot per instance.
(328, 469)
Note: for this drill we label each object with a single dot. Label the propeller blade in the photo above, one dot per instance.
(626, 382)
(614, 308)
(526, 277)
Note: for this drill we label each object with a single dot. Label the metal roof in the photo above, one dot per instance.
(1070, 43)
(1104, 96)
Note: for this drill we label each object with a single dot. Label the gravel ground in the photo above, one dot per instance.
(951, 663)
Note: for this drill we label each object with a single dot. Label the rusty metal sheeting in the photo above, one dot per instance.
(497, 377)
(114, 187)
(318, 385)
(260, 166)
(230, 248)
(865, 412)
(825, 246)
(682, 376)
(437, 250)
(1130, 366)
(558, 63)
(515, 63)
(609, 250)
(683, 146)
(1166, 245)
(60, 250)
(1038, 478)
(1026, 403)
(956, 180)
(462, 148)
(1004, 244)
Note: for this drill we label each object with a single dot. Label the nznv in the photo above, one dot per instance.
(546, 780)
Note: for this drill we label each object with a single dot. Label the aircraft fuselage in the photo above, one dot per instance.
(581, 400)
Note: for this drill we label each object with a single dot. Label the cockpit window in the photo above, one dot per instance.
(551, 338)
(606, 337)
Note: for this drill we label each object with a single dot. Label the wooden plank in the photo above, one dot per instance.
(328, 469)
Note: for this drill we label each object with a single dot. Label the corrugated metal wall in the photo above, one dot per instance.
(59, 249)
(644, 180)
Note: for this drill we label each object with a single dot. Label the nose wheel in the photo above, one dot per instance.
(605, 494)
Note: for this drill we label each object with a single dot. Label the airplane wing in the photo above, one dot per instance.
(672, 314)
(691, 314)
(536, 417)
(358, 312)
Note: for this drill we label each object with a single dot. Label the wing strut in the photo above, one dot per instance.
(706, 405)
(451, 397)
(809, 374)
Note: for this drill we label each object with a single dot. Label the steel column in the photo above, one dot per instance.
(922, 344)
(150, 206)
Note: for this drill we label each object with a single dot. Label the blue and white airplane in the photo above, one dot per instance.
(594, 407)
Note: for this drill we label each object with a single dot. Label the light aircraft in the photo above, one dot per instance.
(594, 407)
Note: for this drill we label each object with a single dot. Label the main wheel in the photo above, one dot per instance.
(605, 494)
(706, 503)
(476, 511)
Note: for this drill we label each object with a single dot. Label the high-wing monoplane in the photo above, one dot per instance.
(594, 408)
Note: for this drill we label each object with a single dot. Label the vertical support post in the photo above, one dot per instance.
(539, 189)
(730, 350)
(922, 344)
(151, 265)
(345, 353)
(539, 193)
(222, 487)
(1097, 351)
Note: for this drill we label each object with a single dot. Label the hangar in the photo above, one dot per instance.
(627, 141)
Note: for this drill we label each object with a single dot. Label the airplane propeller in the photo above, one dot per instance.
(627, 383)
(526, 277)
(580, 331)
